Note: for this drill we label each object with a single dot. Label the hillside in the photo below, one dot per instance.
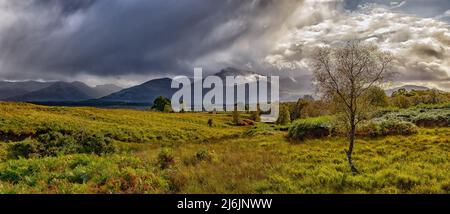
(59, 91)
(23, 120)
(12, 89)
(144, 93)
(32, 91)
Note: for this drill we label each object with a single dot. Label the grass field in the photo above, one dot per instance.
(181, 153)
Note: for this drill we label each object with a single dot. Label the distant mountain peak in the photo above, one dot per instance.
(407, 87)
(143, 93)
(230, 71)
(52, 91)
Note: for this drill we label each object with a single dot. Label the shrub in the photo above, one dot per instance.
(55, 143)
(284, 118)
(403, 98)
(401, 101)
(96, 144)
(210, 122)
(167, 109)
(24, 149)
(426, 117)
(310, 128)
(255, 116)
(160, 103)
(316, 108)
(377, 96)
(166, 158)
(432, 118)
(384, 127)
(204, 155)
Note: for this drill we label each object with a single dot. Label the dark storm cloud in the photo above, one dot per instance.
(130, 41)
(67, 7)
(114, 37)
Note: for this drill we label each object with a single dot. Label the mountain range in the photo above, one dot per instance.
(145, 94)
(34, 91)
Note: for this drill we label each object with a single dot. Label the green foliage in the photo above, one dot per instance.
(162, 104)
(80, 174)
(94, 144)
(55, 143)
(377, 97)
(424, 117)
(255, 116)
(308, 107)
(385, 127)
(284, 118)
(310, 128)
(166, 158)
(167, 109)
(445, 105)
(405, 99)
(401, 101)
(204, 155)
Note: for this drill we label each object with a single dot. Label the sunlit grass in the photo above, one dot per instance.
(220, 159)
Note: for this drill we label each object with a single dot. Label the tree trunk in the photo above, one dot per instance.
(349, 152)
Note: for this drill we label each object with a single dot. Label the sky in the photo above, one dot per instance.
(127, 42)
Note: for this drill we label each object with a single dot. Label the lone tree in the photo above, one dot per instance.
(345, 73)
(161, 104)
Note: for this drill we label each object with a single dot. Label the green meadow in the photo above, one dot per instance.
(90, 150)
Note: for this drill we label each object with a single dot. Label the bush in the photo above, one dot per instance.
(24, 149)
(204, 155)
(310, 128)
(210, 122)
(168, 109)
(425, 117)
(166, 158)
(284, 118)
(161, 104)
(432, 118)
(401, 101)
(404, 99)
(255, 116)
(316, 108)
(377, 97)
(55, 143)
(384, 127)
(95, 144)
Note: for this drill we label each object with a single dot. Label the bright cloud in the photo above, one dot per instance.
(421, 45)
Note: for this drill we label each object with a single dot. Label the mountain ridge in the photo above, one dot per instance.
(33, 91)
